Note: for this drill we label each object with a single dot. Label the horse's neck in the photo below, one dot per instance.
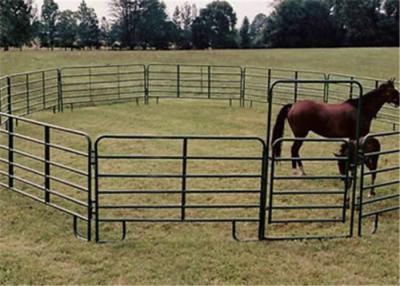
(371, 105)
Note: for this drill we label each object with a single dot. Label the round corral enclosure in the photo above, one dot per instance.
(190, 143)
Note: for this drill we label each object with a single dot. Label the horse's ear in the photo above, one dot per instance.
(391, 81)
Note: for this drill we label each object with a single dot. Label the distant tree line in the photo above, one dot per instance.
(144, 24)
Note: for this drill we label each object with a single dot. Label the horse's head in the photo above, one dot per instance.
(390, 92)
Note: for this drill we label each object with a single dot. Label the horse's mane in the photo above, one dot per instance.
(364, 98)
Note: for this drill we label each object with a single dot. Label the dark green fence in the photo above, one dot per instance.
(85, 85)
(34, 163)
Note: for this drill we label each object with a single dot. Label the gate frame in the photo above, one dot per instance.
(361, 203)
(262, 189)
(270, 144)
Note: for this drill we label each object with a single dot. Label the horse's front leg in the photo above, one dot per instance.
(372, 165)
(372, 190)
(295, 154)
(347, 184)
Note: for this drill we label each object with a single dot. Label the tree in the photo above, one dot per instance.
(301, 23)
(49, 16)
(126, 16)
(183, 19)
(88, 26)
(388, 24)
(142, 23)
(105, 31)
(257, 30)
(176, 17)
(215, 27)
(153, 29)
(16, 23)
(66, 29)
(245, 40)
(358, 21)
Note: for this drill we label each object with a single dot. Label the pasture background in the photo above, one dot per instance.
(37, 245)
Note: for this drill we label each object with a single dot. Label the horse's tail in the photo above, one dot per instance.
(279, 129)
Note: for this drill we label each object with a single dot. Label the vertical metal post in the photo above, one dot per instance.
(263, 196)
(242, 87)
(90, 85)
(351, 88)
(268, 84)
(360, 206)
(10, 127)
(326, 88)
(201, 80)
(9, 100)
(296, 85)
(271, 186)
(146, 84)
(44, 89)
(184, 171)
(59, 91)
(27, 94)
(178, 81)
(356, 154)
(47, 164)
(119, 83)
(209, 82)
(268, 138)
(96, 193)
(89, 187)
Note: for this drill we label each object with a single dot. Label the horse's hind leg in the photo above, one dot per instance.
(295, 154)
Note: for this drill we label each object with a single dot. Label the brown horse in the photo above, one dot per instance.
(330, 120)
(371, 145)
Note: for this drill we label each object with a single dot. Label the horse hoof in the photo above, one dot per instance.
(371, 195)
(295, 173)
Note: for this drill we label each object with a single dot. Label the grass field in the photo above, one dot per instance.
(37, 245)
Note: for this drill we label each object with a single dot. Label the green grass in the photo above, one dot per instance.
(37, 245)
(373, 62)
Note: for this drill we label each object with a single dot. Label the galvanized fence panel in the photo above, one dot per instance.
(292, 92)
(49, 164)
(387, 183)
(30, 92)
(195, 82)
(257, 82)
(102, 84)
(179, 179)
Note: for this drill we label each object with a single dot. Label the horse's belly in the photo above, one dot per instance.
(323, 123)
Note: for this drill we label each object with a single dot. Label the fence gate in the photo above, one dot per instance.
(190, 179)
(386, 184)
(318, 203)
(321, 203)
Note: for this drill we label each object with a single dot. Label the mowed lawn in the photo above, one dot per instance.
(37, 244)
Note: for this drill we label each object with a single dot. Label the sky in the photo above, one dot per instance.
(242, 8)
